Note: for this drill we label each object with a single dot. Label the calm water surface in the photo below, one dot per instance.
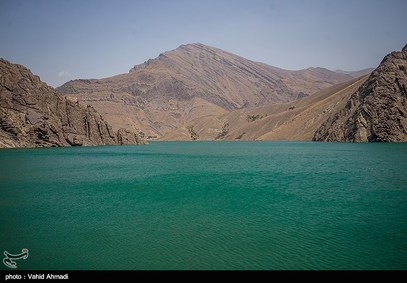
(206, 205)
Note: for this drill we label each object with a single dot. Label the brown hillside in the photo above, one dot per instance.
(193, 84)
(297, 120)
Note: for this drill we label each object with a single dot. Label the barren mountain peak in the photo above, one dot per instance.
(195, 44)
(190, 82)
(194, 49)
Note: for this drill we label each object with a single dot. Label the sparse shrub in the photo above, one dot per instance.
(240, 136)
(223, 132)
(192, 133)
(252, 118)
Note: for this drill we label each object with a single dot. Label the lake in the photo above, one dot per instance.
(206, 205)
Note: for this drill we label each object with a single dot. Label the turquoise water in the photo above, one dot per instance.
(206, 205)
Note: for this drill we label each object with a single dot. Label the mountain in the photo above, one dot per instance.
(377, 111)
(296, 120)
(32, 114)
(193, 83)
(356, 74)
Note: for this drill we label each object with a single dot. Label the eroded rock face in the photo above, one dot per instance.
(127, 137)
(32, 114)
(377, 112)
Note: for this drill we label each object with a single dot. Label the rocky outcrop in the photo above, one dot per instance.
(127, 137)
(32, 114)
(377, 111)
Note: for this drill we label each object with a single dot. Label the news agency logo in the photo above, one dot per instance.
(9, 259)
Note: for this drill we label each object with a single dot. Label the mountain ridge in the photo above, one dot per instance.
(191, 82)
(296, 120)
(372, 108)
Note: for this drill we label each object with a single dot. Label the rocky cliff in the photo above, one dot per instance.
(377, 111)
(32, 114)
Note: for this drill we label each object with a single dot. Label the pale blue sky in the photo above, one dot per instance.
(60, 40)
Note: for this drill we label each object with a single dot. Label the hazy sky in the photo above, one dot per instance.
(60, 40)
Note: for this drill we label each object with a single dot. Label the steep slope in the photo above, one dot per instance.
(377, 111)
(296, 120)
(191, 83)
(356, 74)
(32, 114)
